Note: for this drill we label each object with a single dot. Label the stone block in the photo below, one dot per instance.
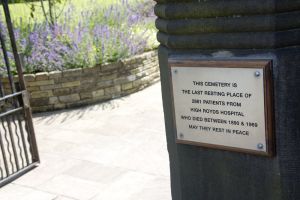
(146, 62)
(91, 70)
(33, 88)
(136, 70)
(71, 84)
(40, 83)
(53, 100)
(111, 67)
(103, 84)
(69, 98)
(55, 74)
(40, 94)
(131, 77)
(130, 91)
(29, 77)
(41, 76)
(155, 74)
(107, 76)
(155, 80)
(42, 108)
(151, 70)
(129, 66)
(67, 79)
(76, 89)
(86, 87)
(72, 72)
(138, 58)
(145, 80)
(113, 90)
(141, 74)
(59, 106)
(147, 67)
(44, 101)
(87, 83)
(86, 95)
(121, 80)
(98, 93)
(127, 61)
(50, 87)
(127, 86)
(137, 83)
(61, 91)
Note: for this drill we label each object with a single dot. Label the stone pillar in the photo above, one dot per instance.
(211, 29)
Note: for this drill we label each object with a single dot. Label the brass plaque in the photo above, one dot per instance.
(223, 104)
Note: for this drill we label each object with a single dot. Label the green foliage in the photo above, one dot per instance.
(21, 1)
(84, 34)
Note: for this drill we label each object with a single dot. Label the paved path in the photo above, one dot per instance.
(111, 151)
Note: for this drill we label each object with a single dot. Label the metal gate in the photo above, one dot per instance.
(18, 149)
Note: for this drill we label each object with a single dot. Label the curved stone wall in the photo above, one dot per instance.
(77, 87)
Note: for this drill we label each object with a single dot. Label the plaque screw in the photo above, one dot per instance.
(257, 73)
(260, 146)
(175, 71)
(181, 135)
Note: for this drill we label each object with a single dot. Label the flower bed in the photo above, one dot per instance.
(80, 38)
(76, 87)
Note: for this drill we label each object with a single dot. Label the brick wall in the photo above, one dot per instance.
(77, 87)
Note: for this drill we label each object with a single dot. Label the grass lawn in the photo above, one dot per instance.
(22, 10)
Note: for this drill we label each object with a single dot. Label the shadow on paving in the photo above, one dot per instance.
(111, 151)
(77, 113)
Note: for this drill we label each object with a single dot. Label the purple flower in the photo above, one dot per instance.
(81, 39)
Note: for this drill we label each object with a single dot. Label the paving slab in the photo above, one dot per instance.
(108, 151)
(14, 191)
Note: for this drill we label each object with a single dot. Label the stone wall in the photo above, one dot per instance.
(77, 87)
(235, 30)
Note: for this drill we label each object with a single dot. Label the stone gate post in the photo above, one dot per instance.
(226, 36)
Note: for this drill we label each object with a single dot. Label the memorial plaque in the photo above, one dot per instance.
(223, 104)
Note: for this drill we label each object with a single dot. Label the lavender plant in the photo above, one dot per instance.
(95, 36)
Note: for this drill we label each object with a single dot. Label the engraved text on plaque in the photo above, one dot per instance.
(223, 104)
